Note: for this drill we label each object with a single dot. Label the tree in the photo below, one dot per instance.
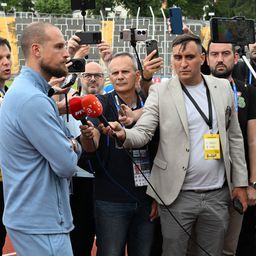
(20, 5)
(232, 8)
(132, 6)
(53, 6)
(101, 5)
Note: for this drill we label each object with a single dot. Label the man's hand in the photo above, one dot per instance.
(73, 45)
(87, 131)
(126, 116)
(55, 84)
(150, 66)
(240, 193)
(89, 137)
(82, 51)
(75, 49)
(105, 51)
(114, 130)
(154, 211)
(251, 194)
(62, 106)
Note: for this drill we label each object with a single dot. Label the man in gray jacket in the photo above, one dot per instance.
(199, 138)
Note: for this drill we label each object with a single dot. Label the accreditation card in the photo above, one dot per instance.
(211, 146)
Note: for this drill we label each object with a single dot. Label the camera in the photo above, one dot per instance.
(82, 4)
(78, 65)
(237, 30)
(134, 34)
(89, 37)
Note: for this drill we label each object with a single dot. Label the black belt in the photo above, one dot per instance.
(204, 190)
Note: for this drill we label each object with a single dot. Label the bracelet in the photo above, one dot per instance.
(146, 79)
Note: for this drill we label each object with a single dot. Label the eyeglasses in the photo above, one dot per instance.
(89, 76)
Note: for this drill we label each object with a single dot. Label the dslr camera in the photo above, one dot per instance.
(134, 35)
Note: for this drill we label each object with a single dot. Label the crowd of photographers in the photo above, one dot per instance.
(68, 179)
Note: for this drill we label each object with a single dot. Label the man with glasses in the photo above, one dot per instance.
(92, 80)
(82, 236)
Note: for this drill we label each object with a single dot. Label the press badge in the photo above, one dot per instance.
(211, 146)
(141, 158)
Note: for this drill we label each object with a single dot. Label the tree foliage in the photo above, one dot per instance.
(236, 8)
(19, 5)
(53, 6)
(190, 8)
(133, 6)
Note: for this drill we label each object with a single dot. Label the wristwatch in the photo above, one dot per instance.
(252, 184)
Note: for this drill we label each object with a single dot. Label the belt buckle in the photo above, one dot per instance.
(200, 191)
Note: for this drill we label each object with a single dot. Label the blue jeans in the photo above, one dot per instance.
(118, 224)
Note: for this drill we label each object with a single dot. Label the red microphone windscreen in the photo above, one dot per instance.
(92, 106)
(76, 108)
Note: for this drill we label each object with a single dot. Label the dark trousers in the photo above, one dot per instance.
(2, 227)
(247, 239)
(82, 205)
(156, 249)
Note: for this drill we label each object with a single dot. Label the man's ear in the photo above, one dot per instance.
(202, 58)
(236, 57)
(36, 50)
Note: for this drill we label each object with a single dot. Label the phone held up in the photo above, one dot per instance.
(237, 30)
(77, 66)
(89, 37)
(175, 15)
(151, 45)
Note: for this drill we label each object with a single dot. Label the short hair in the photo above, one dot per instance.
(184, 39)
(4, 41)
(210, 41)
(126, 54)
(34, 33)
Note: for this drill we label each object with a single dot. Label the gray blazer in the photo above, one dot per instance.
(165, 106)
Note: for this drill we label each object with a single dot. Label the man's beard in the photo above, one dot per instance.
(56, 72)
(221, 74)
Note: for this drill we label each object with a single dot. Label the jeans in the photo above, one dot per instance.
(82, 236)
(2, 227)
(118, 224)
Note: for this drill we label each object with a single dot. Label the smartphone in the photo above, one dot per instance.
(175, 16)
(89, 37)
(151, 45)
(78, 65)
(238, 30)
(238, 205)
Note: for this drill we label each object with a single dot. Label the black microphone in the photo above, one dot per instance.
(69, 81)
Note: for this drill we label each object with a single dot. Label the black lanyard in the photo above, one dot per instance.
(207, 120)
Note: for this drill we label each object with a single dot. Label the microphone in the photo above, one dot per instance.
(69, 81)
(93, 108)
(76, 109)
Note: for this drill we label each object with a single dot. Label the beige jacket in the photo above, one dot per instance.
(165, 106)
